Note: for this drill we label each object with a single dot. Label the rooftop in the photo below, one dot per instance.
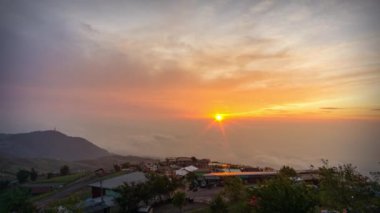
(239, 174)
(112, 183)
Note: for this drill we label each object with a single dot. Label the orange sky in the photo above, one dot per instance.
(261, 58)
(87, 67)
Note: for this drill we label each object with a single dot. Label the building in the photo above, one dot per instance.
(165, 170)
(218, 165)
(104, 194)
(170, 161)
(187, 161)
(107, 187)
(184, 161)
(150, 166)
(41, 188)
(202, 163)
(186, 170)
(251, 169)
(229, 170)
(247, 177)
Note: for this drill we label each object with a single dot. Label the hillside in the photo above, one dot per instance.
(50, 145)
(108, 161)
(12, 165)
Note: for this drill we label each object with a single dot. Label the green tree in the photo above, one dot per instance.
(117, 167)
(129, 199)
(191, 178)
(70, 203)
(17, 200)
(179, 200)
(144, 192)
(33, 174)
(287, 171)
(65, 170)
(280, 194)
(234, 189)
(218, 205)
(125, 165)
(49, 175)
(240, 207)
(132, 195)
(22, 175)
(343, 187)
(162, 185)
(4, 184)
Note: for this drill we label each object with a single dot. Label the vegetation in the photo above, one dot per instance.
(218, 205)
(70, 203)
(62, 179)
(343, 187)
(340, 189)
(179, 200)
(22, 175)
(191, 178)
(65, 170)
(125, 165)
(129, 197)
(16, 200)
(162, 185)
(287, 171)
(234, 189)
(49, 175)
(33, 174)
(155, 187)
(4, 184)
(117, 167)
(239, 207)
(281, 194)
(234, 198)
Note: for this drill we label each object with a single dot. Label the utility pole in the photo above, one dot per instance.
(101, 191)
(100, 173)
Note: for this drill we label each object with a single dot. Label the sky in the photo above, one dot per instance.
(295, 81)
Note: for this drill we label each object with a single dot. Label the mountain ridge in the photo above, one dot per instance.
(49, 144)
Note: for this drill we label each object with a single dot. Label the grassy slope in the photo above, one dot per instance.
(63, 179)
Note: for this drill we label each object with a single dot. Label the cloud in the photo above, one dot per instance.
(331, 108)
(89, 28)
(261, 6)
(164, 62)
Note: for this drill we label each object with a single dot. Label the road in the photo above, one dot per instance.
(66, 191)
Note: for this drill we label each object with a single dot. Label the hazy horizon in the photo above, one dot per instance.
(295, 81)
(301, 144)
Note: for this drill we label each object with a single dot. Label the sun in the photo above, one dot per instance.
(218, 117)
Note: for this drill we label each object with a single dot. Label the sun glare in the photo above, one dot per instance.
(218, 117)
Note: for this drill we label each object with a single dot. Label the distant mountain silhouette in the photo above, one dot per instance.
(49, 144)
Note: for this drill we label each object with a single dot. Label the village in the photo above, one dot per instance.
(200, 181)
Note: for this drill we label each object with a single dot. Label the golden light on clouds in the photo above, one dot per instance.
(252, 59)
